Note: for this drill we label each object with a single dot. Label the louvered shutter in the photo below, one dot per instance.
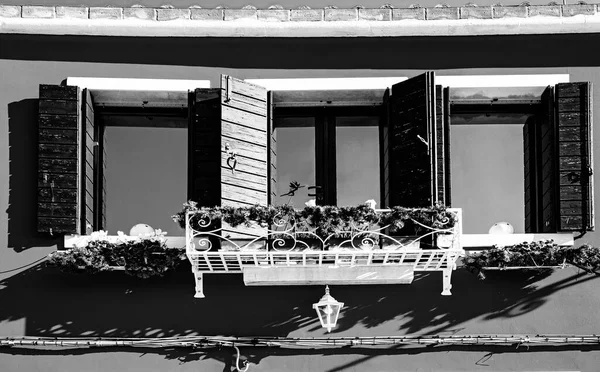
(272, 166)
(63, 146)
(413, 178)
(575, 161)
(89, 159)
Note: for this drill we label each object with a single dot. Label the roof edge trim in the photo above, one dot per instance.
(253, 28)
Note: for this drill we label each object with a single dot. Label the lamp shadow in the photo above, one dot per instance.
(112, 304)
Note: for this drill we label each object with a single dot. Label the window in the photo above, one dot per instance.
(330, 150)
(233, 149)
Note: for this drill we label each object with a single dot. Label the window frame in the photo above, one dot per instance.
(325, 106)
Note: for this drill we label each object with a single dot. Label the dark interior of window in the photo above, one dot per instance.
(145, 166)
(333, 151)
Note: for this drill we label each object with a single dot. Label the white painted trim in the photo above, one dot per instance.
(350, 83)
(169, 85)
(489, 240)
(455, 81)
(253, 28)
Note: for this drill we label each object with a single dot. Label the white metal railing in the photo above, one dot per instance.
(285, 246)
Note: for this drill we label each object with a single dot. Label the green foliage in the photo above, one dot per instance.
(323, 220)
(142, 257)
(534, 255)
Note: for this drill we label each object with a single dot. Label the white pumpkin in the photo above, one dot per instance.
(141, 229)
(501, 228)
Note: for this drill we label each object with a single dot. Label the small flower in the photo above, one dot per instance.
(311, 203)
(371, 203)
(99, 235)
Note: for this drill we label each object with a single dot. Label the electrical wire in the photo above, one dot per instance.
(203, 342)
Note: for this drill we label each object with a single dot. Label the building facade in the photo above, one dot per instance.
(55, 58)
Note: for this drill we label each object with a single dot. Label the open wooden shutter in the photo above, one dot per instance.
(272, 166)
(246, 132)
(546, 149)
(101, 179)
(575, 161)
(204, 159)
(413, 180)
(442, 123)
(530, 170)
(232, 148)
(384, 150)
(89, 160)
(66, 159)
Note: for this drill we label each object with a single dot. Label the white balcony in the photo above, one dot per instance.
(367, 255)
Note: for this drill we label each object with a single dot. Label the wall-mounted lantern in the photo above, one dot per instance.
(328, 310)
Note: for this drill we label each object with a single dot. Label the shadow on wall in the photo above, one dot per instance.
(116, 305)
(308, 53)
(22, 198)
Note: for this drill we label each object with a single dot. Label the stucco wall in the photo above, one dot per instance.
(36, 300)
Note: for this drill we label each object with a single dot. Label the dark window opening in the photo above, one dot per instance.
(144, 166)
(335, 151)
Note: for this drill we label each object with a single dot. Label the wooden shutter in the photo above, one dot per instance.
(413, 143)
(245, 130)
(68, 156)
(529, 172)
(89, 160)
(272, 166)
(546, 149)
(575, 161)
(384, 151)
(204, 159)
(59, 132)
(234, 117)
(442, 123)
(101, 178)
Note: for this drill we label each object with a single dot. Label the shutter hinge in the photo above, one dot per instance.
(227, 97)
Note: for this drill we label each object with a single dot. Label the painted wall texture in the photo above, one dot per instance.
(37, 300)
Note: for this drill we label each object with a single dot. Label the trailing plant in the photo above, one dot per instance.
(533, 255)
(143, 257)
(322, 220)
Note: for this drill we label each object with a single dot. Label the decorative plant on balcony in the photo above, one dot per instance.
(322, 222)
(535, 255)
(143, 256)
